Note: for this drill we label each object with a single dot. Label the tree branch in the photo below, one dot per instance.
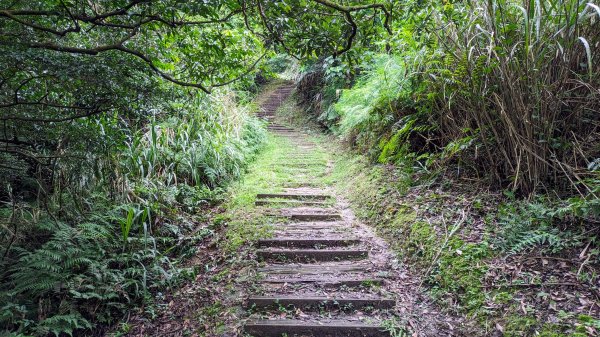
(52, 120)
(347, 10)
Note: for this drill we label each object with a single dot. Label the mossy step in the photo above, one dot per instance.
(321, 328)
(307, 216)
(312, 254)
(313, 225)
(318, 302)
(314, 216)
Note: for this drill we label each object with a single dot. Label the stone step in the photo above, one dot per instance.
(321, 328)
(288, 203)
(299, 138)
(301, 162)
(316, 302)
(306, 216)
(327, 282)
(314, 216)
(304, 269)
(320, 255)
(298, 164)
(302, 157)
(314, 225)
(307, 242)
(303, 233)
(299, 196)
(315, 228)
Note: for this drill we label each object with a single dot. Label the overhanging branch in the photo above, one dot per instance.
(347, 11)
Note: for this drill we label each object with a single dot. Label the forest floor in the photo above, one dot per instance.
(299, 260)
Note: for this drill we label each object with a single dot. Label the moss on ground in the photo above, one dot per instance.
(453, 265)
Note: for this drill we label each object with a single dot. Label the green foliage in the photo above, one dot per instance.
(279, 63)
(369, 102)
(502, 89)
(81, 274)
(537, 225)
(116, 245)
(459, 274)
(206, 143)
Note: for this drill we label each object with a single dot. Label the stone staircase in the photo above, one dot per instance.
(322, 274)
(274, 101)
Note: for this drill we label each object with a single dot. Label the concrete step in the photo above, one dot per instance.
(321, 233)
(281, 128)
(330, 282)
(307, 255)
(307, 242)
(320, 328)
(304, 270)
(301, 164)
(289, 203)
(317, 302)
(298, 196)
(305, 216)
(314, 216)
(314, 226)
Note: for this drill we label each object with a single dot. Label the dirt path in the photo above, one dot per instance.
(323, 272)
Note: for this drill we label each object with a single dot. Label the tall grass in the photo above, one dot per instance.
(508, 88)
(206, 143)
(521, 77)
(373, 96)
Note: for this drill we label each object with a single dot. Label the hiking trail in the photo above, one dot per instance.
(322, 266)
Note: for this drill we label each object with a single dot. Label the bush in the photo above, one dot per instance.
(519, 79)
(110, 236)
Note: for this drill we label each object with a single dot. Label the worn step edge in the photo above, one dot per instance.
(312, 254)
(300, 163)
(313, 225)
(293, 196)
(328, 282)
(330, 328)
(266, 202)
(303, 233)
(312, 232)
(307, 242)
(317, 269)
(307, 217)
(315, 302)
(313, 217)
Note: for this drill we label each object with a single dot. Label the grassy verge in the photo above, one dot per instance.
(451, 234)
(224, 266)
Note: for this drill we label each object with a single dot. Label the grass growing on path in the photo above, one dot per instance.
(244, 224)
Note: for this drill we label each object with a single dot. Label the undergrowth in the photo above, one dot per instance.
(434, 231)
(91, 252)
(503, 90)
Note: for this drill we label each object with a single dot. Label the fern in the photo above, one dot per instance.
(63, 324)
(535, 239)
(527, 226)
